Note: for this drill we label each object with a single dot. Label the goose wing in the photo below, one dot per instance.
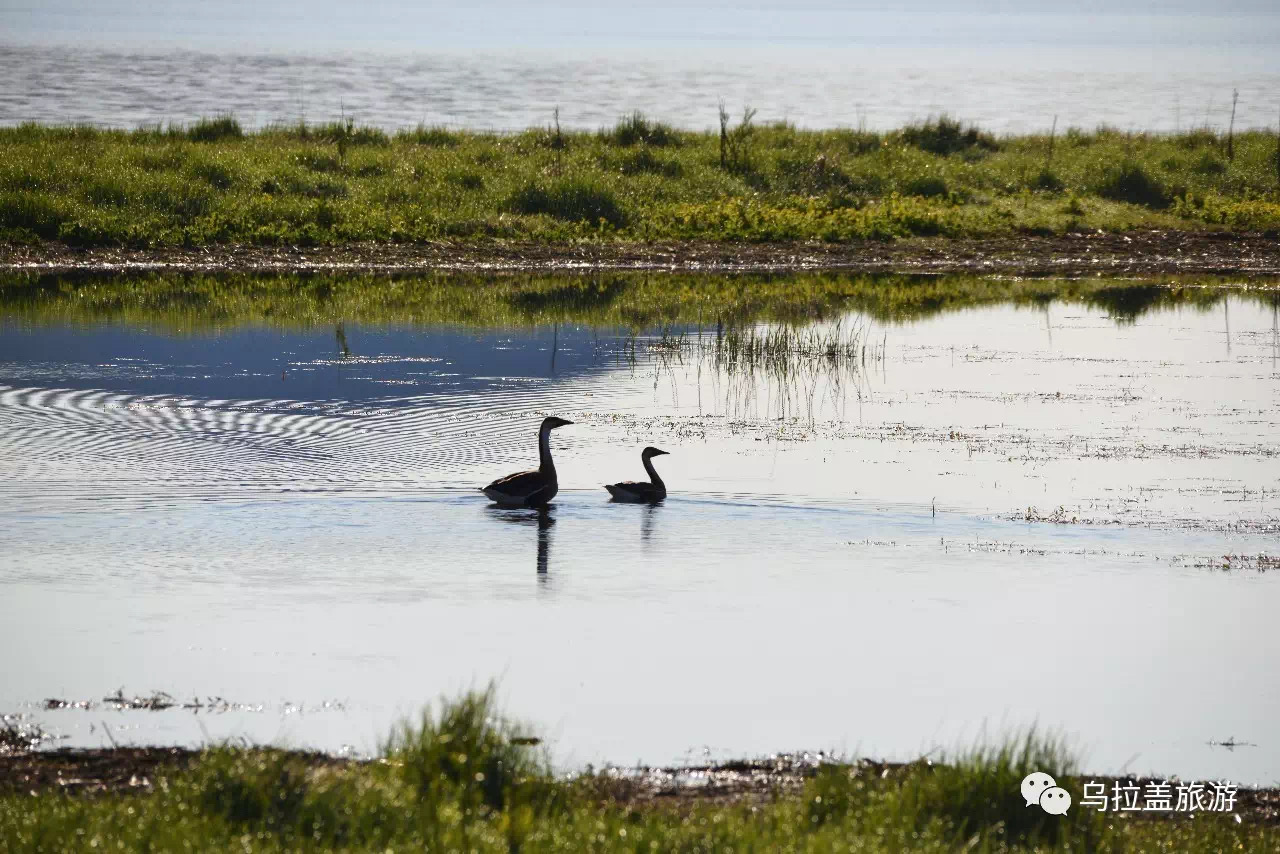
(523, 484)
(632, 489)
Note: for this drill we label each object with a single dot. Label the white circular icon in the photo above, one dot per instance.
(1055, 800)
(1035, 784)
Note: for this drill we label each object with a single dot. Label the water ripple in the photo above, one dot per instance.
(92, 444)
(513, 92)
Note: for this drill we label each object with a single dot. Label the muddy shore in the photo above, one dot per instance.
(1071, 255)
(124, 771)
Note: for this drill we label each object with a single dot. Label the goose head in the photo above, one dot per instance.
(650, 452)
(553, 422)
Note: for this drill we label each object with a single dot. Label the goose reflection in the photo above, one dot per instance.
(544, 540)
(647, 516)
(540, 517)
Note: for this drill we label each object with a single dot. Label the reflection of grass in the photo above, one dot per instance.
(466, 780)
(641, 180)
(780, 351)
(632, 301)
(803, 364)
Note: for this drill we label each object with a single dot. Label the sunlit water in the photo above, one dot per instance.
(289, 520)
(500, 65)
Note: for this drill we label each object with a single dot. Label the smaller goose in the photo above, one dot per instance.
(531, 488)
(638, 491)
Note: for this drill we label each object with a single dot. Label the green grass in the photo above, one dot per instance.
(637, 129)
(215, 130)
(945, 135)
(619, 300)
(640, 180)
(569, 200)
(467, 779)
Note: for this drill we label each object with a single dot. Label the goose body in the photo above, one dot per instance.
(530, 488)
(641, 492)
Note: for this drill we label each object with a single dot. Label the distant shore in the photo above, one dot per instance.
(641, 186)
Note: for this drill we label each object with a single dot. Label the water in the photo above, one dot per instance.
(502, 66)
(287, 519)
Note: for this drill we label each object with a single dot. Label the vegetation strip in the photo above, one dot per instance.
(641, 180)
(618, 300)
(466, 778)
(138, 770)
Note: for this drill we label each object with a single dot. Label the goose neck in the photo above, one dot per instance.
(653, 473)
(545, 465)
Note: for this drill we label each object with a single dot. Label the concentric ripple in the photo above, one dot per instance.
(61, 443)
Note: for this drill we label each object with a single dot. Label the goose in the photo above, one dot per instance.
(530, 488)
(640, 491)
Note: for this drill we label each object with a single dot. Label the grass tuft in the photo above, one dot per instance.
(945, 136)
(1047, 181)
(468, 751)
(927, 187)
(972, 795)
(435, 136)
(1209, 164)
(811, 176)
(644, 161)
(1198, 138)
(1131, 182)
(572, 200)
(217, 175)
(33, 213)
(637, 129)
(348, 133)
(215, 130)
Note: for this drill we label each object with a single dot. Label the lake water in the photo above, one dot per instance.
(985, 519)
(499, 65)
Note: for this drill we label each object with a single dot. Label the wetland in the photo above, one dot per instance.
(963, 347)
(263, 488)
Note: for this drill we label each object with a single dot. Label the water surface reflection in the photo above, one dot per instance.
(868, 500)
(542, 518)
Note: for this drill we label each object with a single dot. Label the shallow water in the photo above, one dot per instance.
(287, 519)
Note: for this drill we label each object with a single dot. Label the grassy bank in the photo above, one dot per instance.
(637, 301)
(641, 180)
(465, 779)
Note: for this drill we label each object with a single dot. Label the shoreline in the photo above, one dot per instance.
(1071, 255)
(134, 771)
